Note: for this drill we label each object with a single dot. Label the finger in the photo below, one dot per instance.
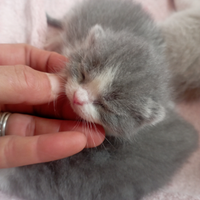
(59, 109)
(22, 84)
(13, 54)
(17, 150)
(26, 125)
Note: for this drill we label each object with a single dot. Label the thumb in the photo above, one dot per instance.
(22, 84)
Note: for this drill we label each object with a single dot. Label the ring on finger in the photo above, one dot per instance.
(3, 121)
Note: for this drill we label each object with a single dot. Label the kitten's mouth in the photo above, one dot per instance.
(86, 110)
(79, 104)
(82, 103)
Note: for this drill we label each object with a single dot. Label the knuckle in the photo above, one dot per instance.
(31, 127)
(31, 85)
(25, 79)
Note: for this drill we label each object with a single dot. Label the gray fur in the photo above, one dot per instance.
(113, 33)
(182, 35)
(102, 34)
(113, 171)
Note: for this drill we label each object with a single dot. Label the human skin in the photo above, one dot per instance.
(43, 127)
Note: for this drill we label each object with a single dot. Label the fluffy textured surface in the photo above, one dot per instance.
(186, 184)
(23, 22)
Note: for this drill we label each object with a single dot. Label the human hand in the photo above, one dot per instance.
(27, 86)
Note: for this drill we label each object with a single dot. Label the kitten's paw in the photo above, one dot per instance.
(186, 4)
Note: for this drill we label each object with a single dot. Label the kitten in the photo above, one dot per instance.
(182, 35)
(116, 76)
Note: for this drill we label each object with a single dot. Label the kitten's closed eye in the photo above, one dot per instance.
(116, 73)
(115, 76)
(112, 96)
(78, 73)
(97, 102)
(102, 105)
(82, 76)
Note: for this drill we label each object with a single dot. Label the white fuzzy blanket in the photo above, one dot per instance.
(24, 21)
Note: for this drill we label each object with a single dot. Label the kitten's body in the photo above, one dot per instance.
(182, 36)
(113, 171)
(116, 76)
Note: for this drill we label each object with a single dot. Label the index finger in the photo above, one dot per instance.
(46, 61)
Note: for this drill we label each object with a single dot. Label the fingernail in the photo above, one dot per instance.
(55, 84)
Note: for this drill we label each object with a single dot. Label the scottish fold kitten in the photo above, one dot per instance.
(116, 76)
(182, 35)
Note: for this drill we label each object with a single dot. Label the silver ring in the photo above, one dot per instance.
(3, 121)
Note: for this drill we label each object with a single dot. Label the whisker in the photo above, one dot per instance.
(90, 132)
(86, 130)
(106, 139)
(54, 107)
(99, 133)
(76, 125)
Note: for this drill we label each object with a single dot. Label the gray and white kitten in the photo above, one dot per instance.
(116, 76)
(182, 35)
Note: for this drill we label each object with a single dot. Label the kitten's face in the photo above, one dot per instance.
(112, 79)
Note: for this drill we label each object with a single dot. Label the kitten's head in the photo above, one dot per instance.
(116, 80)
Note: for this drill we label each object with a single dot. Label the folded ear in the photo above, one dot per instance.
(128, 126)
(152, 112)
(95, 33)
(145, 113)
(157, 114)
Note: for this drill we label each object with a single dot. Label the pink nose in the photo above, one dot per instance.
(80, 97)
(77, 100)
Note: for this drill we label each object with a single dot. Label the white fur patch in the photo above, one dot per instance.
(149, 111)
(88, 93)
(86, 111)
(161, 116)
(90, 113)
(103, 81)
